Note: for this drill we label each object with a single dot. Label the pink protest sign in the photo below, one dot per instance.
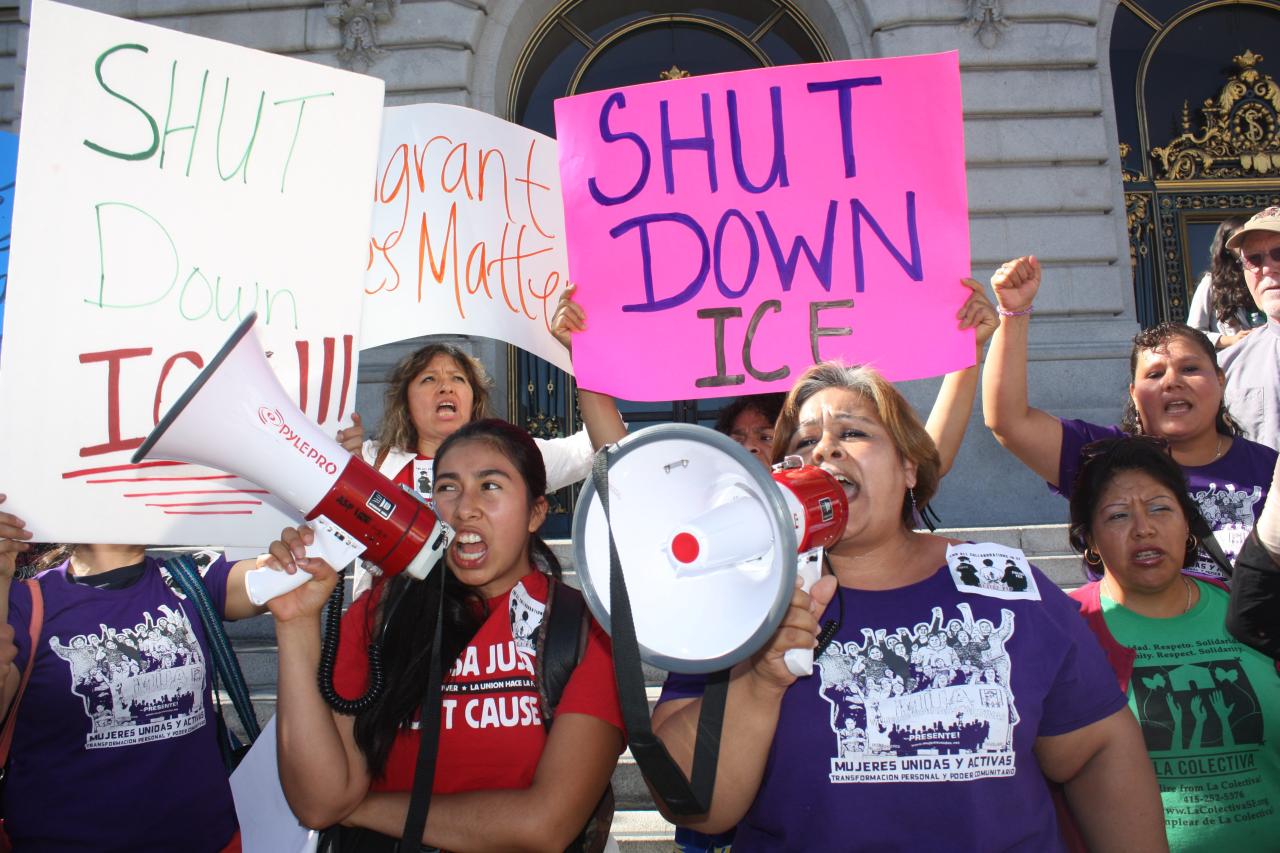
(728, 231)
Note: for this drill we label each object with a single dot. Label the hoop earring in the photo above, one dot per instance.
(1092, 557)
(1192, 542)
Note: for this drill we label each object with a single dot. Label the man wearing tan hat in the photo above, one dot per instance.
(1253, 365)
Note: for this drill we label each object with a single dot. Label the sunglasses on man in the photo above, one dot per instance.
(1254, 260)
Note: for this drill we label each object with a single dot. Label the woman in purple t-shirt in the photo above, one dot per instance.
(1175, 394)
(909, 733)
(118, 694)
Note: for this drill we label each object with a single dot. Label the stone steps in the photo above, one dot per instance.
(638, 826)
(642, 831)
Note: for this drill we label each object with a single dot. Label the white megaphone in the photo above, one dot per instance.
(237, 418)
(708, 541)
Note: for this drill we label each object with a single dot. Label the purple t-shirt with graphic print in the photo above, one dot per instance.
(1229, 491)
(920, 718)
(116, 745)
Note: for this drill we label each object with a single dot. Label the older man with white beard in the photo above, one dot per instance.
(1253, 365)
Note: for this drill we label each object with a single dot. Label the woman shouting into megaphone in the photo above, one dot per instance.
(951, 681)
(505, 778)
(439, 388)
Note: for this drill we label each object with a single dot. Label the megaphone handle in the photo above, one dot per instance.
(264, 584)
(329, 544)
(808, 568)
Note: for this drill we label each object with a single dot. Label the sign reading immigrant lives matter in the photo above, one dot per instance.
(728, 231)
(172, 184)
(468, 231)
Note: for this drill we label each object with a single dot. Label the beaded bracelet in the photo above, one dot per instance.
(1024, 312)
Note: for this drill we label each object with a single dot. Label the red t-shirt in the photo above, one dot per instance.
(491, 732)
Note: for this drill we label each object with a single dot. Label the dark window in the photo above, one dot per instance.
(1187, 168)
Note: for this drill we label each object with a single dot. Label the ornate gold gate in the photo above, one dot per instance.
(1185, 167)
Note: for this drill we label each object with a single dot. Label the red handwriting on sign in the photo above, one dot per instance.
(122, 384)
(113, 358)
(326, 376)
(415, 187)
(179, 507)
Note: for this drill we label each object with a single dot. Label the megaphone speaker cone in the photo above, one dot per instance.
(706, 543)
(729, 536)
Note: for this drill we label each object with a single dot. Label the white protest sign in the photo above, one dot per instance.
(468, 231)
(172, 184)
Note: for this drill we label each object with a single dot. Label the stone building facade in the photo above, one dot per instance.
(1044, 171)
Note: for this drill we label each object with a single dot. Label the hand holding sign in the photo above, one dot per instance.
(978, 313)
(756, 222)
(569, 318)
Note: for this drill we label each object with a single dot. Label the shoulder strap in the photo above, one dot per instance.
(561, 642)
(35, 623)
(185, 574)
(683, 795)
(381, 457)
(1209, 542)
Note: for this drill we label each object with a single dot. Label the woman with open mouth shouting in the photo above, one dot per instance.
(939, 701)
(1175, 394)
(439, 388)
(1202, 699)
(505, 778)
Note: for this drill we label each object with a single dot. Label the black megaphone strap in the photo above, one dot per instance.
(680, 795)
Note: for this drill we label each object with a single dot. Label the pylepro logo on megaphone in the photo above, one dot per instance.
(272, 418)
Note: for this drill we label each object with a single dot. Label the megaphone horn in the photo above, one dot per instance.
(236, 417)
(708, 539)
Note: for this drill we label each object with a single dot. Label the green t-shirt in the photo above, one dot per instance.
(1209, 708)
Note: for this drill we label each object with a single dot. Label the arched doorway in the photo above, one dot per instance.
(588, 45)
(1198, 117)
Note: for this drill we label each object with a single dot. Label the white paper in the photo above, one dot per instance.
(992, 570)
(267, 824)
(468, 231)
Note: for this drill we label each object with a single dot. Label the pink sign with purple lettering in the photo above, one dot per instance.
(728, 231)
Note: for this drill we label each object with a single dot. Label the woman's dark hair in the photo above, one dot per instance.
(397, 429)
(42, 557)
(406, 615)
(1157, 337)
(1101, 461)
(1228, 293)
(768, 405)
